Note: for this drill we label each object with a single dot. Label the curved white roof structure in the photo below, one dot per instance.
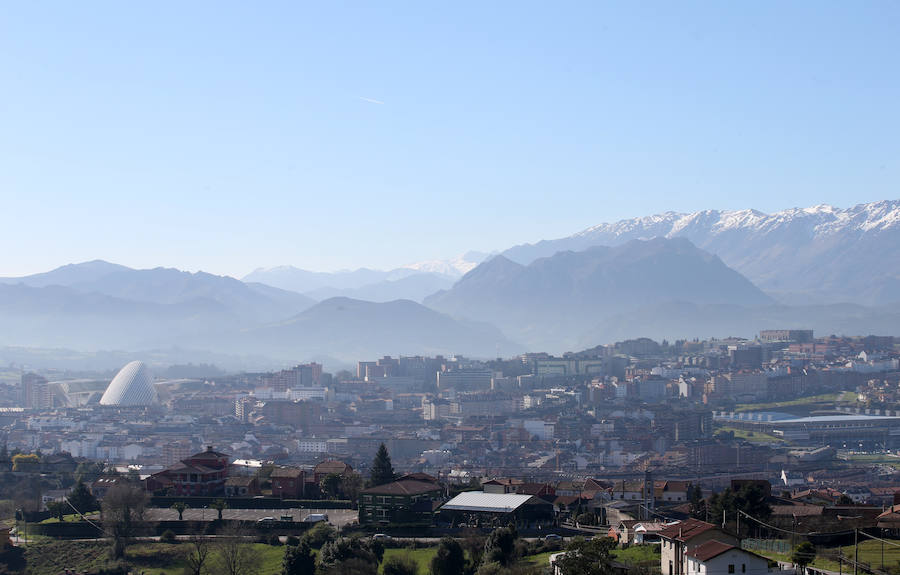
(131, 386)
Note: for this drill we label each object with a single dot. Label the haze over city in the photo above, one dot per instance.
(403, 288)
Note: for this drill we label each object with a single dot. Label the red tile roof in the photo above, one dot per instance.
(686, 530)
(709, 549)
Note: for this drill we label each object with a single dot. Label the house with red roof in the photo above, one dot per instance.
(203, 473)
(679, 539)
(720, 558)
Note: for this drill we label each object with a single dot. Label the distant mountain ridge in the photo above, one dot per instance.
(168, 286)
(413, 281)
(799, 255)
(98, 305)
(553, 300)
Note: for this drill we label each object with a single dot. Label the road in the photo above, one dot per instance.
(337, 517)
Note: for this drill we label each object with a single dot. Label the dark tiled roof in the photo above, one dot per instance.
(240, 480)
(402, 487)
(797, 510)
(686, 530)
(287, 472)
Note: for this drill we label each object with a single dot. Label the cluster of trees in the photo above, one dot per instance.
(496, 554)
(749, 499)
(231, 553)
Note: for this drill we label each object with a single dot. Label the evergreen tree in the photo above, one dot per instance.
(82, 499)
(803, 555)
(500, 546)
(449, 559)
(382, 469)
(298, 560)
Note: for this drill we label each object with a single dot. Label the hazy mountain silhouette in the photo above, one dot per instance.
(351, 329)
(106, 306)
(552, 301)
(413, 287)
(257, 303)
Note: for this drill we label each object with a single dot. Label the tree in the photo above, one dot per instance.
(500, 546)
(382, 468)
(319, 535)
(82, 499)
(803, 555)
(57, 509)
(234, 556)
(400, 566)
(587, 557)
(219, 505)
(298, 560)
(12, 559)
(180, 507)
(750, 499)
(698, 504)
(449, 559)
(26, 462)
(348, 555)
(88, 471)
(123, 509)
(198, 557)
(331, 485)
(351, 485)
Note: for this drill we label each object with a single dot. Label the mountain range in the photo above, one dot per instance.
(413, 281)
(709, 273)
(820, 254)
(99, 305)
(550, 302)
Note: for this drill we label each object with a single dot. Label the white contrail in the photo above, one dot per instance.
(370, 100)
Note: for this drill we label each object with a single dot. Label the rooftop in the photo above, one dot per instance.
(488, 502)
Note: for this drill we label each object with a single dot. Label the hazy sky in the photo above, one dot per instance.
(226, 136)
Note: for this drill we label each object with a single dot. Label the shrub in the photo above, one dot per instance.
(168, 536)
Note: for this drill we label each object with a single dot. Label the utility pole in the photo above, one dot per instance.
(855, 551)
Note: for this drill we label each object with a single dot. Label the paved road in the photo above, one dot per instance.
(337, 517)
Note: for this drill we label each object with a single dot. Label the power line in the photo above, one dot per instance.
(783, 530)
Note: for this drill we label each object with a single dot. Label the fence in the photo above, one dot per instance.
(773, 545)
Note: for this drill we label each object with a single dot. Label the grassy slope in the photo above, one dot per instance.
(52, 558)
(824, 398)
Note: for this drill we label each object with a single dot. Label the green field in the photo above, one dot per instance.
(422, 557)
(638, 555)
(870, 552)
(824, 398)
(53, 557)
(884, 459)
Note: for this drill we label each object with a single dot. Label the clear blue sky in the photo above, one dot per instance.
(225, 136)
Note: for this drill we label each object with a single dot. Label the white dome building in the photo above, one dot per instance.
(131, 386)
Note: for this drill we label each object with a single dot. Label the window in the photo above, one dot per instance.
(743, 567)
(731, 568)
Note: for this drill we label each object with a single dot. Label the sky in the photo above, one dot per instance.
(224, 136)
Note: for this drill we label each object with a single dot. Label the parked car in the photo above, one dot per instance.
(552, 537)
(381, 537)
